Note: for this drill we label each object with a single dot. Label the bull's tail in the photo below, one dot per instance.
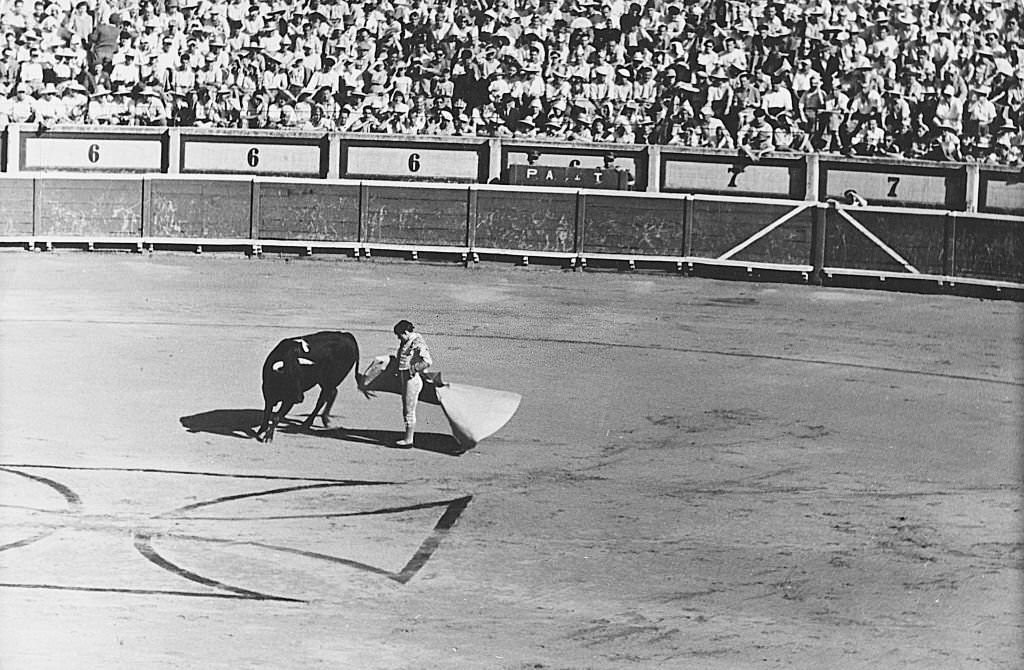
(360, 377)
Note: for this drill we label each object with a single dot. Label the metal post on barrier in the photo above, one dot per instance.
(472, 208)
(36, 202)
(687, 222)
(254, 210)
(581, 214)
(818, 242)
(146, 219)
(949, 244)
(364, 203)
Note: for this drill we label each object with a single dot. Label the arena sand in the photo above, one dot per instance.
(702, 474)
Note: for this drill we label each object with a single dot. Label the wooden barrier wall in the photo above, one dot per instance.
(819, 241)
(963, 187)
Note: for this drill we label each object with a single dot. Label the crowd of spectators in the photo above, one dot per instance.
(906, 78)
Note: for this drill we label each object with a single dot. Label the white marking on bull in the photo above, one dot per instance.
(305, 346)
(277, 366)
(305, 361)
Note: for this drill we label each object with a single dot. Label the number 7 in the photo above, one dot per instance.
(892, 189)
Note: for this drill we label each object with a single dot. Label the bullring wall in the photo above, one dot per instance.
(940, 225)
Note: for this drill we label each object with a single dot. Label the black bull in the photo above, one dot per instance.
(296, 365)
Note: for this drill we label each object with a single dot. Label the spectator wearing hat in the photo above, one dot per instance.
(779, 99)
(22, 108)
(49, 109)
(599, 90)
(980, 112)
(943, 49)
(30, 72)
(75, 102)
(684, 135)
(946, 146)
(789, 136)
(94, 77)
(61, 69)
(868, 138)
(100, 110)
(151, 109)
(949, 110)
(645, 88)
(125, 71)
(662, 127)
(867, 102)
(1005, 151)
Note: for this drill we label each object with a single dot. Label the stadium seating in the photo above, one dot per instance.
(873, 78)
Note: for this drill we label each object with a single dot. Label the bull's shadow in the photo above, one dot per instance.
(243, 423)
(231, 422)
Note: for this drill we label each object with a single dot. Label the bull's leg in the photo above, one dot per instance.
(331, 394)
(278, 415)
(268, 412)
(308, 423)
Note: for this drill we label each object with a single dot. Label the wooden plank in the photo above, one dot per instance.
(89, 207)
(906, 239)
(543, 222)
(649, 226)
(201, 208)
(989, 248)
(328, 212)
(719, 226)
(396, 215)
(16, 212)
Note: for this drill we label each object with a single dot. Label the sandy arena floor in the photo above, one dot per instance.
(701, 475)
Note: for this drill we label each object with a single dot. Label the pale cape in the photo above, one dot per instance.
(473, 412)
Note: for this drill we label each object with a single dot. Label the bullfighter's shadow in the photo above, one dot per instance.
(437, 443)
(243, 423)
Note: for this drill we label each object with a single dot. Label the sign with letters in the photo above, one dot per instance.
(575, 177)
(728, 178)
(300, 158)
(57, 151)
(879, 187)
(411, 161)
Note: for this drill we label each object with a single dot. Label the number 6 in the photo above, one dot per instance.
(414, 163)
(94, 153)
